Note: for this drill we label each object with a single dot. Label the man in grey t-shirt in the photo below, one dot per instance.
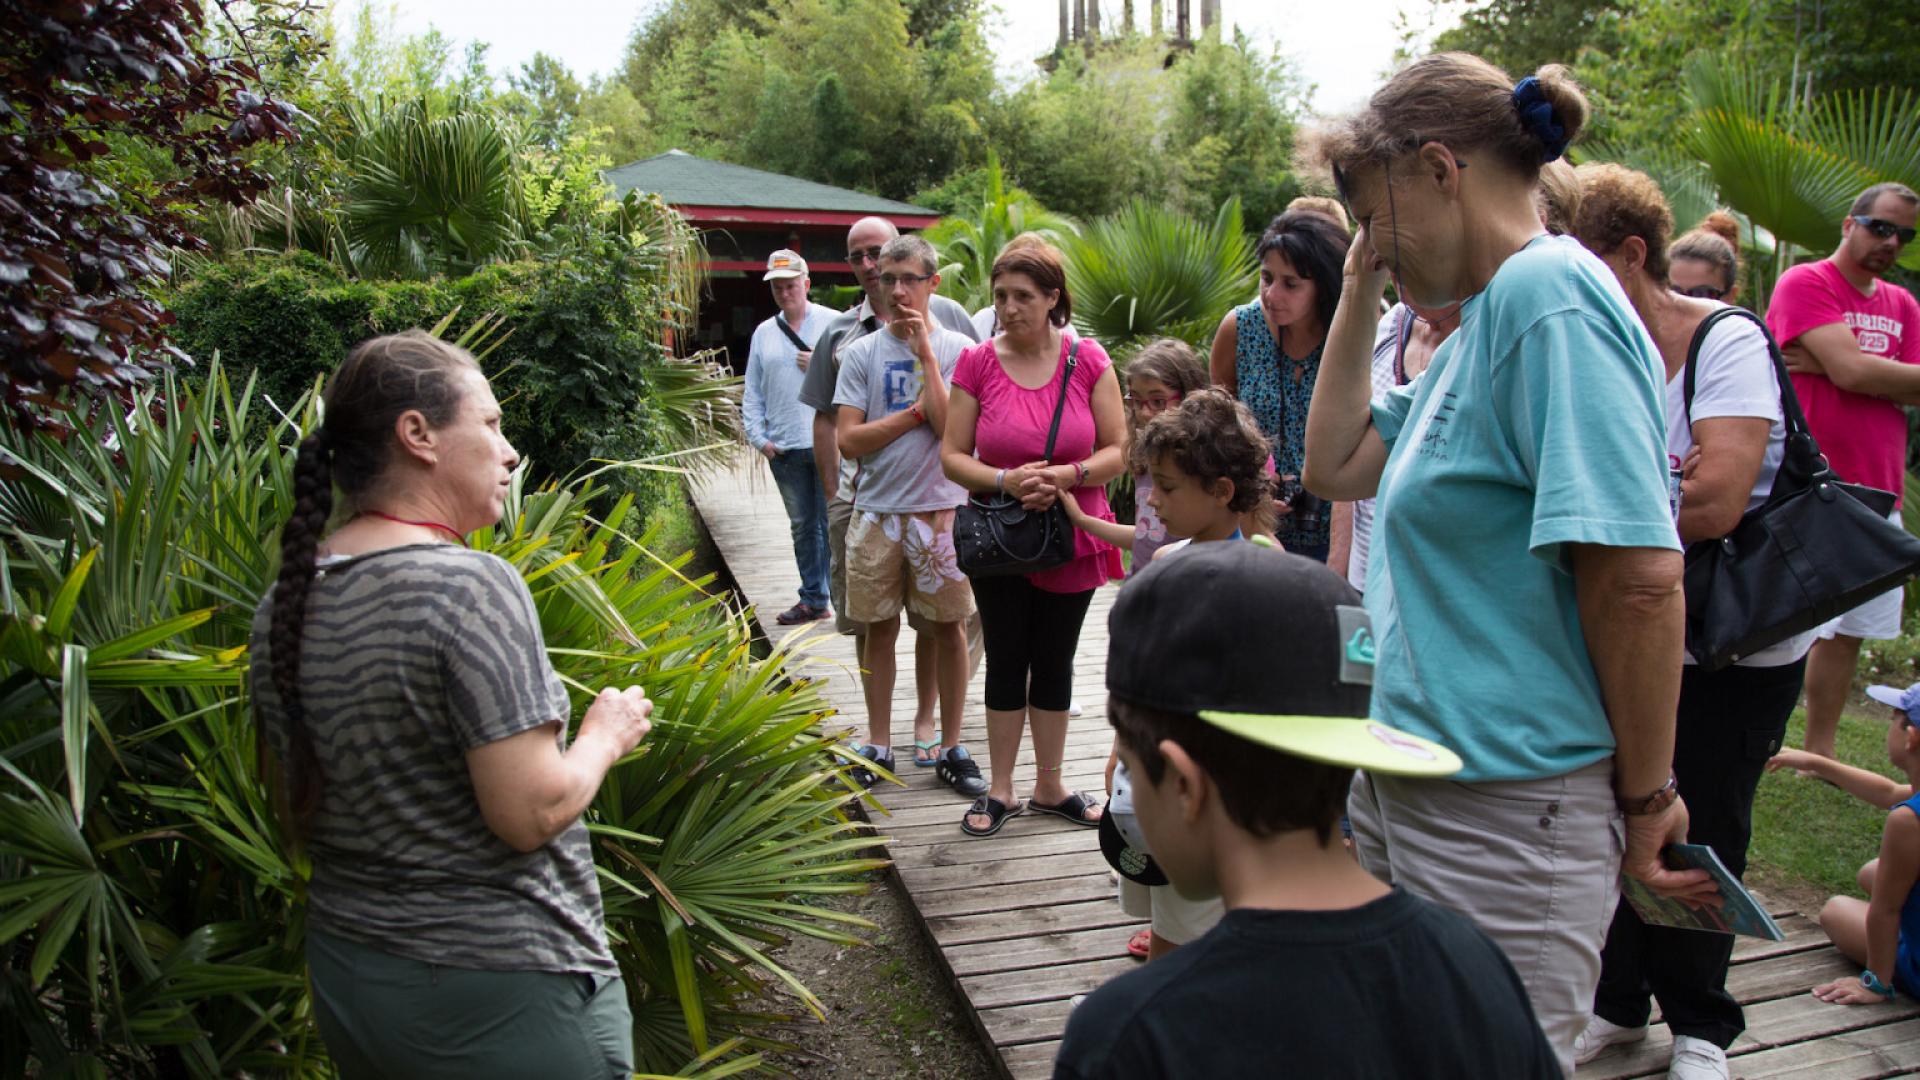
(864, 241)
(892, 412)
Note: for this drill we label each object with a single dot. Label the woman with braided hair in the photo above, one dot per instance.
(454, 919)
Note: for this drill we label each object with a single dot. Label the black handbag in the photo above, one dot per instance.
(994, 536)
(1814, 550)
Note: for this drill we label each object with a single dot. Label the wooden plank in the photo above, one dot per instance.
(1003, 926)
(1043, 984)
(1888, 1050)
(919, 879)
(1030, 1061)
(1011, 1025)
(1010, 898)
(1780, 1022)
(1012, 842)
(1043, 950)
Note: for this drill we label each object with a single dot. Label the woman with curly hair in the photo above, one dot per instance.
(454, 925)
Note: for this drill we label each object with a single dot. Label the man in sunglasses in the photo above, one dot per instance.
(1852, 343)
(837, 478)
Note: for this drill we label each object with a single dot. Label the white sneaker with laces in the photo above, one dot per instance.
(1696, 1059)
(1601, 1034)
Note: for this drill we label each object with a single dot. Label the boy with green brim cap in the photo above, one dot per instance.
(1237, 680)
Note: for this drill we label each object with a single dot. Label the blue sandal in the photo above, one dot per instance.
(931, 746)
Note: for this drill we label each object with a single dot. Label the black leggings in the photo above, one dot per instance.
(1031, 637)
(1730, 722)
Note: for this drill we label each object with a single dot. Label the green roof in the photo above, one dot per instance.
(684, 180)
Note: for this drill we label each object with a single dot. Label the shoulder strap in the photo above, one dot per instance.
(798, 341)
(1400, 346)
(1802, 453)
(1066, 380)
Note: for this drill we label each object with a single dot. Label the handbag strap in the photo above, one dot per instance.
(1060, 406)
(1801, 458)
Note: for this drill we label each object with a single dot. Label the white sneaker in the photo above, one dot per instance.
(1696, 1059)
(1073, 708)
(1601, 1034)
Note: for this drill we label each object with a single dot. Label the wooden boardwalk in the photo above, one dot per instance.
(1027, 919)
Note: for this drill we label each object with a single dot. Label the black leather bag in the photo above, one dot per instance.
(994, 536)
(1815, 549)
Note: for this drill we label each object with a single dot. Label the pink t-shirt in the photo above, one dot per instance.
(1864, 438)
(1013, 431)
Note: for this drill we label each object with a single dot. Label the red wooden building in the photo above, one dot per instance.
(746, 214)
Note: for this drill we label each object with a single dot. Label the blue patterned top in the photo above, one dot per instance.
(1279, 405)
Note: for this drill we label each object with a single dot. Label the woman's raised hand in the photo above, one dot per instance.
(1366, 272)
(622, 717)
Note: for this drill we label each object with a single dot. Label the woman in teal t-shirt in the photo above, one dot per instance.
(1524, 583)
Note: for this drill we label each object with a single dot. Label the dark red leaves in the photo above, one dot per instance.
(77, 257)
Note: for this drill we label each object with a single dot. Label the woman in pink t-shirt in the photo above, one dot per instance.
(1002, 401)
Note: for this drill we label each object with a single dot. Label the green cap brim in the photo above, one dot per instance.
(1343, 741)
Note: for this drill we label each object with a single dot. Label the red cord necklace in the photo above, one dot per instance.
(457, 538)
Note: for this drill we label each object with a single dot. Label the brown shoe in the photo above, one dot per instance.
(797, 614)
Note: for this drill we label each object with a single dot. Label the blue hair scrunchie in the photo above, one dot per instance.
(1536, 115)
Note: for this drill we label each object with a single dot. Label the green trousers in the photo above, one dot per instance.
(385, 1017)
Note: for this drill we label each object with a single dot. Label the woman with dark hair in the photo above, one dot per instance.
(454, 920)
(1524, 578)
(1724, 449)
(1267, 353)
(1000, 408)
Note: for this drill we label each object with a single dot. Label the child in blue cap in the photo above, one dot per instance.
(1883, 931)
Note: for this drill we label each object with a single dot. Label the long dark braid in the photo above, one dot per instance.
(299, 541)
(381, 379)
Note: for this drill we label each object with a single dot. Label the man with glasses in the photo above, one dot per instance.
(892, 411)
(864, 242)
(1852, 343)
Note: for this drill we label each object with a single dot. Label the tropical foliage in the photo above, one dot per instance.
(1150, 272)
(969, 242)
(151, 916)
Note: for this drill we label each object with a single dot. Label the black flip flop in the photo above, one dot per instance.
(1074, 808)
(997, 813)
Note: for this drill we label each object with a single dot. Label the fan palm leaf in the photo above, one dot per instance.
(432, 194)
(1149, 271)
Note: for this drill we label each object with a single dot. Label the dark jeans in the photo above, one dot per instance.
(799, 485)
(1031, 635)
(1731, 721)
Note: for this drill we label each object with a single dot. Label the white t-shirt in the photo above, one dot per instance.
(1733, 376)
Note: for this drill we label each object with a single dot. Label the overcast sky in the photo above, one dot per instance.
(1341, 46)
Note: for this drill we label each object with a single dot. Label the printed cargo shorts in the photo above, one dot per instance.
(905, 560)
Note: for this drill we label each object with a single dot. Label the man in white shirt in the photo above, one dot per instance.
(781, 427)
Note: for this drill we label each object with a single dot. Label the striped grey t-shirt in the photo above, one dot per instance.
(412, 656)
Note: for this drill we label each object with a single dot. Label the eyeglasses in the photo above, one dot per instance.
(888, 281)
(1157, 404)
(1885, 230)
(864, 255)
(1701, 292)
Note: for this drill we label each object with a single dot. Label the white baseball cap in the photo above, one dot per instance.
(785, 264)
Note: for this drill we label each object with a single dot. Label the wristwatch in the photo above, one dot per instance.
(1872, 982)
(1650, 804)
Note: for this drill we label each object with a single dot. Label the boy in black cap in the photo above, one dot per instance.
(1237, 681)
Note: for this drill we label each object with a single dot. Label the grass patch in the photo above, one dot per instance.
(1817, 833)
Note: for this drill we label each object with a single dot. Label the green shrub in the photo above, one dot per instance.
(582, 370)
(152, 919)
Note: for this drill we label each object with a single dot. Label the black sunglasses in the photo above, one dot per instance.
(1701, 292)
(1885, 230)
